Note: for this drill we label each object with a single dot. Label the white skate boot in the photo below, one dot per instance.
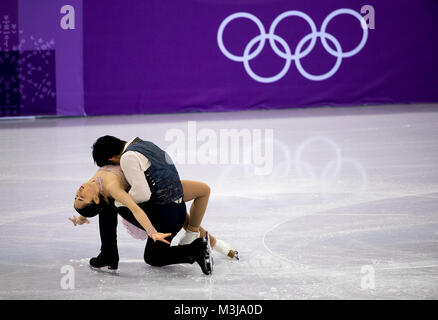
(189, 237)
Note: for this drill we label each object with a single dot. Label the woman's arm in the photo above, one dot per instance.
(124, 198)
(120, 195)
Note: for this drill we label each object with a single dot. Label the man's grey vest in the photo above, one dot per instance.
(162, 176)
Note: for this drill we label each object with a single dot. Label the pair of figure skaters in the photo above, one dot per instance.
(138, 181)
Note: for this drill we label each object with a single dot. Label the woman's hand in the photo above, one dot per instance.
(78, 221)
(158, 236)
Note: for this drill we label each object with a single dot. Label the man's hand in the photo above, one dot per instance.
(158, 236)
(78, 220)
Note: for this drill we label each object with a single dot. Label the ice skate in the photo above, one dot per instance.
(204, 259)
(100, 262)
(189, 237)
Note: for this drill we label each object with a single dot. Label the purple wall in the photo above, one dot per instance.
(160, 56)
(41, 64)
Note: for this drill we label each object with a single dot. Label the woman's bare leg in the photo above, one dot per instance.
(199, 192)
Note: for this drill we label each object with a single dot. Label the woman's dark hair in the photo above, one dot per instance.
(90, 210)
(93, 208)
(106, 147)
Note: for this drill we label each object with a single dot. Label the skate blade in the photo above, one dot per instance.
(209, 261)
(236, 255)
(208, 264)
(105, 270)
(233, 254)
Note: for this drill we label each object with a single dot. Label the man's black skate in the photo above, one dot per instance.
(204, 259)
(100, 262)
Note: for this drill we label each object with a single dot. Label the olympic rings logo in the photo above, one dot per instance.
(287, 54)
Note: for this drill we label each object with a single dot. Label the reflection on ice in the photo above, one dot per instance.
(349, 210)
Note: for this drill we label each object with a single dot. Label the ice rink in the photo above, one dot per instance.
(346, 208)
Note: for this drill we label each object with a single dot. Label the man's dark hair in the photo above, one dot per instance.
(106, 147)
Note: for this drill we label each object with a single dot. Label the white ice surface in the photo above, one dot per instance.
(350, 188)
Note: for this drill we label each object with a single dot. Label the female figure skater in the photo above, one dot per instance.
(143, 164)
(154, 184)
(109, 184)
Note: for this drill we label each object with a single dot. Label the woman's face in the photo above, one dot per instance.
(86, 193)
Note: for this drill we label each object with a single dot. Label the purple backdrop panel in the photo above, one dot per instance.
(165, 56)
(172, 56)
(9, 57)
(41, 63)
(59, 78)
